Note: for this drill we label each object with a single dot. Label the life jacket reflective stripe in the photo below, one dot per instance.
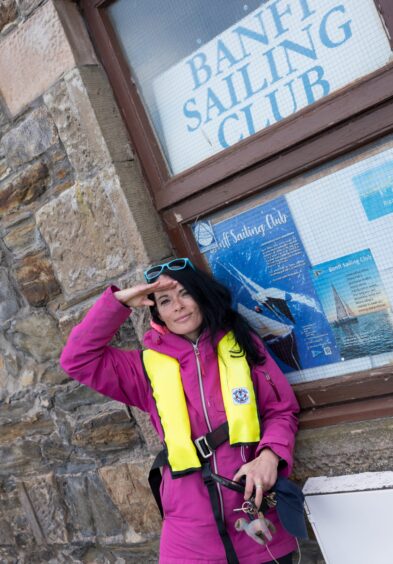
(238, 395)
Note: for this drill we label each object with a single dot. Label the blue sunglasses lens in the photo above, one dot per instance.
(176, 264)
(153, 272)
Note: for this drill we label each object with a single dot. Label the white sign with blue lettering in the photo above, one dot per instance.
(277, 60)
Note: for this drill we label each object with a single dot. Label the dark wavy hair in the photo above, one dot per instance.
(215, 303)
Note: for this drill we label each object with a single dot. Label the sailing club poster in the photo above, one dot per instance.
(355, 303)
(375, 189)
(260, 257)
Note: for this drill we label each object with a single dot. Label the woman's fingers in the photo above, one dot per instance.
(258, 493)
(148, 303)
(136, 296)
(249, 487)
(241, 472)
(254, 482)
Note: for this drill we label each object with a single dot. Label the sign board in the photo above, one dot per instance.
(312, 271)
(272, 63)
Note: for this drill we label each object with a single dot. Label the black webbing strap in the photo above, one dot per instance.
(155, 477)
(218, 436)
(215, 503)
(213, 439)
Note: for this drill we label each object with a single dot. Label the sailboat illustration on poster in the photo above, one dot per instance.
(355, 302)
(343, 311)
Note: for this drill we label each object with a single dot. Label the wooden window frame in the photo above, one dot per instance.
(346, 120)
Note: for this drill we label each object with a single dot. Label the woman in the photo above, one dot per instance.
(203, 370)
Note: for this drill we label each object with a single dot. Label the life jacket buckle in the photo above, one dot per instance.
(203, 447)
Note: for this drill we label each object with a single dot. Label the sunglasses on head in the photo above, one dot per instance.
(176, 264)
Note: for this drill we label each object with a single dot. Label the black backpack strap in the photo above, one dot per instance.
(207, 444)
(155, 477)
(215, 503)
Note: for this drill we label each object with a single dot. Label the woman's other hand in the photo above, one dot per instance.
(260, 473)
(137, 296)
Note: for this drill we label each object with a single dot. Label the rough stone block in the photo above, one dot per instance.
(51, 375)
(27, 6)
(91, 511)
(74, 396)
(3, 122)
(74, 316)
(108, 521)
(94, 247)
(8, 12)
(76, 121)
(24, 187)
(147, 222)
(17, 409)
(129, 489)
(106, 431)
(347, 448)
(146, 553)
(38, 335)
(147, 430)
(19, 458)
(23, 238)
(107, 113)
(73, 491)
(3, 372)
(31, 426)
(38, 68)
(14, 528)
(36, 279)
(6, 536)
(10, 357)
(46, 510)
(9, 382)
(8, 299)
(5, 170)
(30, 138)
(8, 555)
(125, 337)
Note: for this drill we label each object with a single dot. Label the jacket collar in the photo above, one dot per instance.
(160, 339)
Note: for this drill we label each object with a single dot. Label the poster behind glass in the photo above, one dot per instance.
(313, 270)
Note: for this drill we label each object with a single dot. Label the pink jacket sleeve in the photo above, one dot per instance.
(278, 408)
(88, 358)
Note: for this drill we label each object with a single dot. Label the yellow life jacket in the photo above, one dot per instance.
(238, 395)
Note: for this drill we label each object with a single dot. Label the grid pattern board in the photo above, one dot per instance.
(212, 74)
(313, 270)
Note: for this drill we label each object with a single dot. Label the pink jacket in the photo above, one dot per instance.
(189, 533)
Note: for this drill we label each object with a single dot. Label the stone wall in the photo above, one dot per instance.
(75, 216)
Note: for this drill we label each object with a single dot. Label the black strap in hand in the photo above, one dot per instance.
(215, 503)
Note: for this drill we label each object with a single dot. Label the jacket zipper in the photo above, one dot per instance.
(196, 352)
(273, 385)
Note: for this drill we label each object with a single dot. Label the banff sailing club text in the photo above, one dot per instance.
(280, 80)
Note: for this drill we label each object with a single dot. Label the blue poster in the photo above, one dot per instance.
(355, 303)
(375, 189)
(261, 259)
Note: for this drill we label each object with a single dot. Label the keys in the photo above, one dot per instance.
(249, 508)
(270, 499)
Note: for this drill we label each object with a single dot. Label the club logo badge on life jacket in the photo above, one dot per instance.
(240, 396)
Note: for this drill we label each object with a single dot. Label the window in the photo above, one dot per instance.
(312, 268)
(213, 74)
(233, 106)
